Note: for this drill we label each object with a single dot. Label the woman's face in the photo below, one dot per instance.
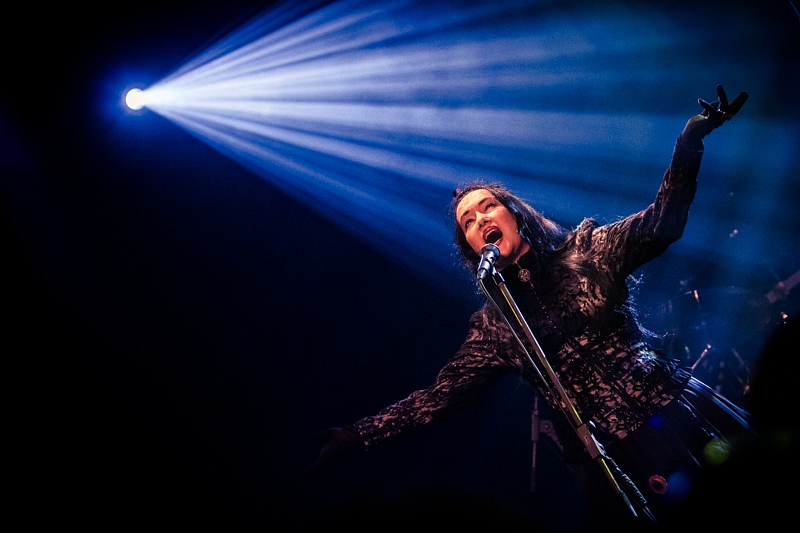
(484, 219)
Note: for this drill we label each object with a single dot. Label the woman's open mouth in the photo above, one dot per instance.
(493, 235)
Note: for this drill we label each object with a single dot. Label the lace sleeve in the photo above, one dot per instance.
(477, 365)
(623, 246)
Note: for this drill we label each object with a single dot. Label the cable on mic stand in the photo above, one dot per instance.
(620, 483)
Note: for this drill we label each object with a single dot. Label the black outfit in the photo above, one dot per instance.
(660, 425)
(655, 421)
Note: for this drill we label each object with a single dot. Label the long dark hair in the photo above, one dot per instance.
(544, 235)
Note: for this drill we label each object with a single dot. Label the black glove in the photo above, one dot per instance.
(335, 441)
(712, 117)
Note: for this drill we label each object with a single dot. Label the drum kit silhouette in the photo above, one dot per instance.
(719, 331)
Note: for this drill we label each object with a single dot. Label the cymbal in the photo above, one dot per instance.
(727, 298)
(716, 313)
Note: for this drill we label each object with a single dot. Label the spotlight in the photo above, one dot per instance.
(136, 99)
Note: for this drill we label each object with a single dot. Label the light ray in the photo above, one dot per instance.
(373, 112)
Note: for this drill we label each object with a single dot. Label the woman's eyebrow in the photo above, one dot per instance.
(480, 203)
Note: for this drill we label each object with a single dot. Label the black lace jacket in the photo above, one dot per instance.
(578, 310)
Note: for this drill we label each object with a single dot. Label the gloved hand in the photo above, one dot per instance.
(335, 441)
(712, 117)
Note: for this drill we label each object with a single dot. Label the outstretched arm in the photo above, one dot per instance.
(645, 235)
(477, 365)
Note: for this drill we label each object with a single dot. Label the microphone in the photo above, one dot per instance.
(489, 254)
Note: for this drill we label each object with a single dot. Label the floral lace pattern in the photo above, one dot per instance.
(578, 309)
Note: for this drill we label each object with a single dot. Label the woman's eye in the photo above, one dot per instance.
(467, 224)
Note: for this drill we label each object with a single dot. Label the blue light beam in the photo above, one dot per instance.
(373, 112)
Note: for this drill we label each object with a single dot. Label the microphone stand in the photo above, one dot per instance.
(625, 488)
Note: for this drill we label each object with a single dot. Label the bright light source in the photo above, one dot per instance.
(136, 99)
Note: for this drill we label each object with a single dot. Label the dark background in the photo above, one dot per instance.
(169, 362)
